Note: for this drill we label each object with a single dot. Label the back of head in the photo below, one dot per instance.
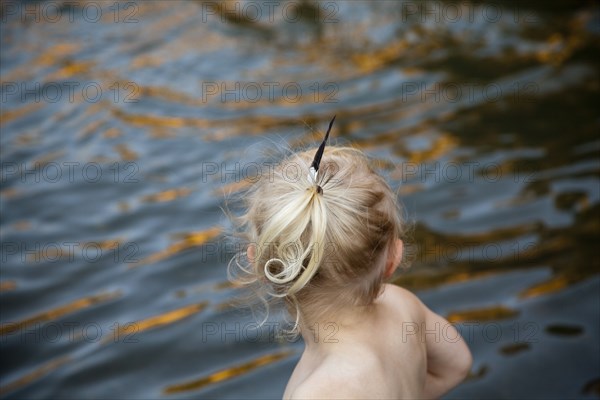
(320, 247)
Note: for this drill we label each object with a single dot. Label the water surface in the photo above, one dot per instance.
(125, 130)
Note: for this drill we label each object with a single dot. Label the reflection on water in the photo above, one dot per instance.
(227, 373)
(131, 329)
(514, 348)
(122, 137)
(34, 375)
(484, 314)
(56, 313)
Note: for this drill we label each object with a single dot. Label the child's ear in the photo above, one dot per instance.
(251, 252)
(394, 258)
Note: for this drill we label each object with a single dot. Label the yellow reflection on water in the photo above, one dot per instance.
(480, 373)
(10, 193)
(168, 94)
(125, 153)
(225, 285)
(428, 280)
(112, 133)
(167, 195)
(514, 348)
(7, 285)
(190, 240)
(552, 285)
(560, 47)
(10, 115)
(372, 61)
(70, 69)
(160, 320)
(56, 53)
(227, 373)
(440, 147)
(36, 374)
(27, 139)
(58, 312)
(158, 121)
(22, 225)
(91, 128)
(48, 158)
(482, 314)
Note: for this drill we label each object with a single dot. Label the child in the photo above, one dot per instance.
(324, 235)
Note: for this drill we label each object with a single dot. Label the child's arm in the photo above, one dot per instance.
(448, 357)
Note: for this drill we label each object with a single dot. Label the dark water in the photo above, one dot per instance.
(125, 126)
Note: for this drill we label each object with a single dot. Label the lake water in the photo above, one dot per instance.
(125, 127)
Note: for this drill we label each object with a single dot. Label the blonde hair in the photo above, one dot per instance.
(318, 249)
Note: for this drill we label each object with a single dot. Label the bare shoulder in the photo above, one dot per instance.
(395, 296)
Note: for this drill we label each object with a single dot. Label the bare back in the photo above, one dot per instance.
(382, 358)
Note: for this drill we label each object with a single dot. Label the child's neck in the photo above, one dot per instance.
(346, 326)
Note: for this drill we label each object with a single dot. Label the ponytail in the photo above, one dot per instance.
(296, 260)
